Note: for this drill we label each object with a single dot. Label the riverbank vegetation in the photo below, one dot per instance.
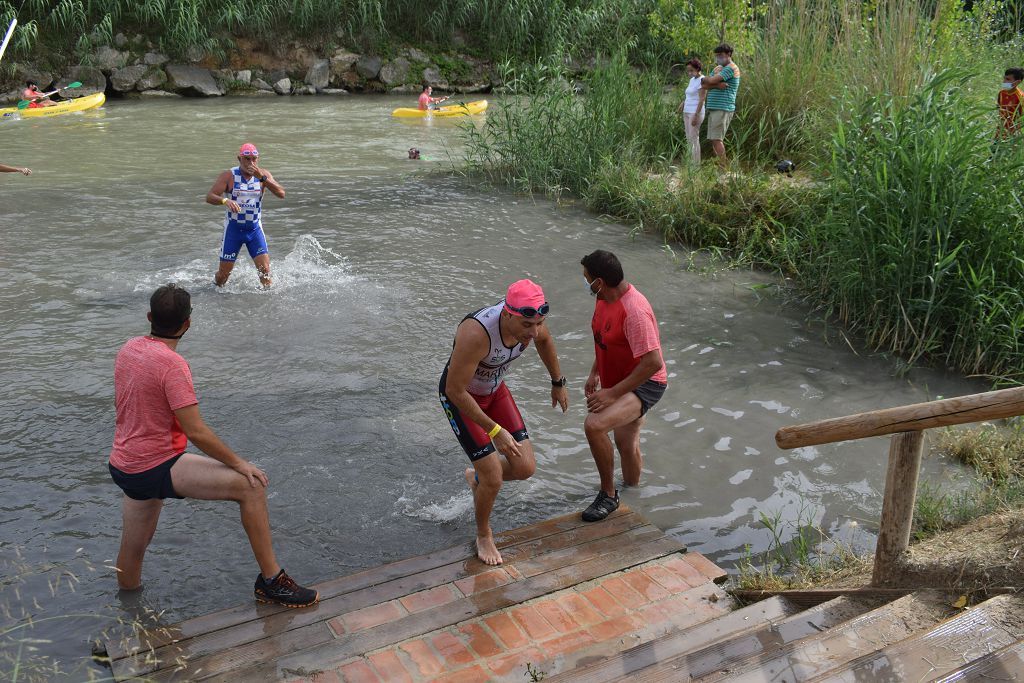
(904, 221)
(520, 29)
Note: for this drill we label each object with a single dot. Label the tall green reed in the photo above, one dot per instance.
(523, 28)
(920, 249)
(545, 137)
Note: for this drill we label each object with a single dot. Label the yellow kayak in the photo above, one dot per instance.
(65, 107)
(468, 109)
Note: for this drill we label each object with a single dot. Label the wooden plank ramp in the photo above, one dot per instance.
(568, 594)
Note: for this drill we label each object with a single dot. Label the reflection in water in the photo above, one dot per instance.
(328, 381)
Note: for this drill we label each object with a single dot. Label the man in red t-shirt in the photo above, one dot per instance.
(631, 372)
(157, 413)
(426, 102)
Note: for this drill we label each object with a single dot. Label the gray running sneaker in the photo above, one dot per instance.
(602, 506)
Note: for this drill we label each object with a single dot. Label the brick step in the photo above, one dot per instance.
(551, 633)
(349, 608)
(971, 635)
(295, 653)
(818, 653)
(251, 621)
(1006, 664)
(691, 658)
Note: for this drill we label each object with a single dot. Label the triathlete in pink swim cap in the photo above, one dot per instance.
(479, 406)
(244, 186)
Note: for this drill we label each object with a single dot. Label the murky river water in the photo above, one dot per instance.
(328, 381)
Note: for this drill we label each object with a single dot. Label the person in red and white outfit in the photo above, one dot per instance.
(480, 408)
(627, 378)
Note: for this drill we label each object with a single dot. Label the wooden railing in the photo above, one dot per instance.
(906, 424)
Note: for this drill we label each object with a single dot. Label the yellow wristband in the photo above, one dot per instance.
(494, 430)
(223, 200)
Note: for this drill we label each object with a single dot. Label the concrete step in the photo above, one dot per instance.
(815, 654)
(613, 667)
(1006, 664)
(971, 635)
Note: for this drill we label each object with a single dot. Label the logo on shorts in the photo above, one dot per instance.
(451, 415)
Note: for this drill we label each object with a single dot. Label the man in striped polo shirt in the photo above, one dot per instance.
(722, 86)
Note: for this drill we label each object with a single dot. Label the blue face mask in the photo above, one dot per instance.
(1006, 86)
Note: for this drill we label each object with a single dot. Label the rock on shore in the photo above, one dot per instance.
(133, 67)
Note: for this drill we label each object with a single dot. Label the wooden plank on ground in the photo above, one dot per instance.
(694, 664)
(812, 598)
(806, 658)
(990, 626)
(156, 638)
(1006, 664)
(241, 664)
(624, 664)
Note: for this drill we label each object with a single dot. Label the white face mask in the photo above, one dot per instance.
(590, 287)
(1006, 86)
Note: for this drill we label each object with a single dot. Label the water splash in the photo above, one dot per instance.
(308, 266)
(456, 507)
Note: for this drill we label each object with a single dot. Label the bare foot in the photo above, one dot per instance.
(487, 551)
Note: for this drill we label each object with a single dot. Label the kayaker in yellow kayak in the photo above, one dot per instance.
(426, 101)
(15, 169)
(35, 98)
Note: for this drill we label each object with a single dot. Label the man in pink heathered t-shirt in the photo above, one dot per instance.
(157, 413)
(631, 372)
(426, 102)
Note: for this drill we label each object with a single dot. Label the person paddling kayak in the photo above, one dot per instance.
(426, 101)
(244, 186)
(36, 98)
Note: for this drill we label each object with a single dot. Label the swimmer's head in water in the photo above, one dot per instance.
(414, 153)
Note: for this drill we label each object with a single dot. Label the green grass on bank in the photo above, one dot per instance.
(906, 221)
(996, 453)
(799, 555)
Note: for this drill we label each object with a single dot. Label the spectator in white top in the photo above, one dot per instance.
(692, 107)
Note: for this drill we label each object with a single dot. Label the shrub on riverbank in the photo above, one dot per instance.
(907, 226)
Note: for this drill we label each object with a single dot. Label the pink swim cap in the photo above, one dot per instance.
(248, 150)
(524, 294)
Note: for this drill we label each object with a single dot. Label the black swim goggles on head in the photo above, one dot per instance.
(529, 311)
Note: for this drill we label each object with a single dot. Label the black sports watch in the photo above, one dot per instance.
(559, 382)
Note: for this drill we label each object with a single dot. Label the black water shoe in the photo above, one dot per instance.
(282, 590)
(602, 506)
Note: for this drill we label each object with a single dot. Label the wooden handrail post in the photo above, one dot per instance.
(898, 504)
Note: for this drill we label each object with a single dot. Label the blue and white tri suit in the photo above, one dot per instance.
(245, 226)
